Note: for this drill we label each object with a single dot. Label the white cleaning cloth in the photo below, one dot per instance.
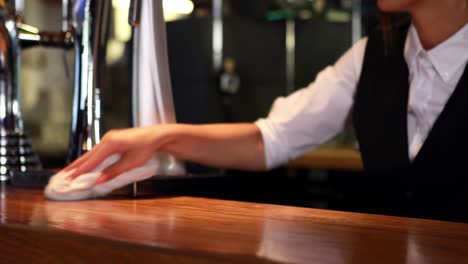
(83, 187)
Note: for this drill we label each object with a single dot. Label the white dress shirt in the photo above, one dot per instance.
(312, 115)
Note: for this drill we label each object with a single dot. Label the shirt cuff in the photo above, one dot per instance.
(276, 153)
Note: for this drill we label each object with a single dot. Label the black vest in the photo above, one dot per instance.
(440, 170)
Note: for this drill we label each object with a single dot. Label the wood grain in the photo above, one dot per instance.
(199, 230)
(339, 158)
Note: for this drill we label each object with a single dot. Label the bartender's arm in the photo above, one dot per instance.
(295, 125)
(238, 146)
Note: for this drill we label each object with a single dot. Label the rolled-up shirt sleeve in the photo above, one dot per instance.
(312, 115)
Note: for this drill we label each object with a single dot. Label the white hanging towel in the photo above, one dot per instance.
(153, 95)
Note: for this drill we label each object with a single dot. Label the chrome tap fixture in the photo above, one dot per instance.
(16, 152)
(84, 28)
(88, 21)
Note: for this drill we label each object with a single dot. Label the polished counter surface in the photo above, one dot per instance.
(330, 158)
(184, 229)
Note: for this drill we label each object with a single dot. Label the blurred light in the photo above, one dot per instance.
(31, 37)
(305, 14)
(121, 4)
(177, 9)
(338, 16)
(122, 31)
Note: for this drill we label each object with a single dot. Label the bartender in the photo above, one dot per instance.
(406, 86)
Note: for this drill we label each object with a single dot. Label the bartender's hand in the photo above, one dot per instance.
(135, 145)
(235, 146)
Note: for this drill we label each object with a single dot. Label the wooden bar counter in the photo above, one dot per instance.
(183, 229)
(330, 158)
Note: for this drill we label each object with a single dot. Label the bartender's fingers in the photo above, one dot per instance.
(93, 159)
(108, 141)
(129, 160)
(78, 162)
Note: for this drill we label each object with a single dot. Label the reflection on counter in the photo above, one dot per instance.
(3, 212)
(186, 229)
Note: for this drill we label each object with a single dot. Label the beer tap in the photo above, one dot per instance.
(16, 152)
